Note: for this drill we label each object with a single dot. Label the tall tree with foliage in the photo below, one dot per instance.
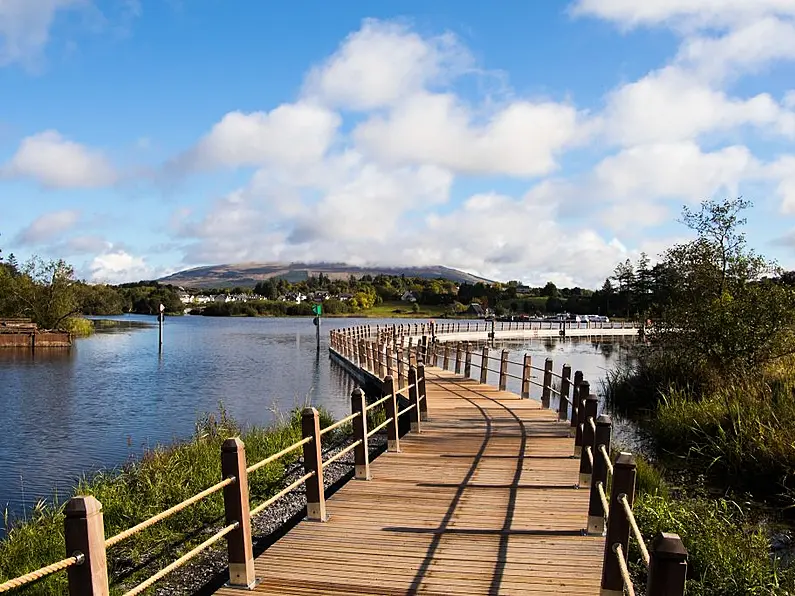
(45, 291)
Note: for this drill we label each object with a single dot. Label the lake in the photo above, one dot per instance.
(68, 412)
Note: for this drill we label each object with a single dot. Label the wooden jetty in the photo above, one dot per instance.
(22, 333)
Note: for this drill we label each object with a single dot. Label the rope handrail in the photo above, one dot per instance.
(406, 409)
(591, 423)
(555, 391)
(536, 383)
(342, 453)
(377, 403)
(554, 374)
(603, 497)
(182, 560)
(32, 576)
(168, 512)
(589, 453)
(606, 458)
(379, 427)
(338, 423)
(405, 389)
(644, 553)
(622, 565)
(261, 507)
(275, 456)
(543, 370)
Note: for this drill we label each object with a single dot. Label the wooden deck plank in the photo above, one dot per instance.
(482, 501)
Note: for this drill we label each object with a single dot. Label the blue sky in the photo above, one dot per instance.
(521, 140)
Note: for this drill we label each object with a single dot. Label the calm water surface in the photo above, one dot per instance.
(68, 412)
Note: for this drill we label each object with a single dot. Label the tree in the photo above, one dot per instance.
(44, 291)
(550, 290)
(718, 305)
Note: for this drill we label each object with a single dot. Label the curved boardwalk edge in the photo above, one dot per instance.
(482, 501)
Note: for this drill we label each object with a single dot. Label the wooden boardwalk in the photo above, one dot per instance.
(482, 501)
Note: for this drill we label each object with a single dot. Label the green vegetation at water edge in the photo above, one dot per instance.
(163, 477)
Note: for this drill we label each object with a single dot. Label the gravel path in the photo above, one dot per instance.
(208, 571)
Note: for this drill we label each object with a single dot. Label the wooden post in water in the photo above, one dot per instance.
(667, 566)
(423, 392)
(546, 391)
(361, 453)
(85, 535)
(503, 370)
(392, 434)
(467, 360)
(414, 414)
(484, 363)
(575, 401)
(565, 384)
(527, 372)
(596, 512)
(583, 392)
(586, 470)
(313, 464)
(624, 472)
(236, 509)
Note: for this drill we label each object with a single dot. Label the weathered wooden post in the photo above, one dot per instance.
(565, 384)
(313, 464)
(236, 509)
(667, 566)
(380, 360)
(575, 404)
(596, 512)
(423, 393)
(85, 535)
(546, 391)
(591, 404)
(467, 360)
(389, 368)
(503, 370)
(361, 453)
(458, 357)
(583, 392)
(624, 472)
(401, 371)
(446, 361)
(414, 399)
(527, 372)
(392, 435)
(484, 363)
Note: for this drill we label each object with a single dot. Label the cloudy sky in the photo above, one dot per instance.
(517, 140)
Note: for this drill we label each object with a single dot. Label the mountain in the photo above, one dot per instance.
(248, 274)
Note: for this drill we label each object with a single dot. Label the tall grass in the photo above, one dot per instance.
(78, 326)
(163, 477)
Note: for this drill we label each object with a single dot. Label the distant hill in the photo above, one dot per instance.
(248, 274)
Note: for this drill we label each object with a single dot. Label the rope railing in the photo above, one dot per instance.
(603, 497)
(168, 512)
(377, 403)
(182, 560)
(275, 456)
(33, 576)
(264, 505)
(644, 553)
(379, 427)
(407, 409)
(622, 564)
(342, 453)
(606, 459)
(338, 423)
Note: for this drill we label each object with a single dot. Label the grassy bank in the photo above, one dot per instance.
(728, 549)
(163, 477)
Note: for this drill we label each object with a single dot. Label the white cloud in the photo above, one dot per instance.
(382, 63)
(118, 266)
(56, 162)
(782, 171)
(48, 227)
(520, 139)
(672, 105)
(291, 134)
(25, 27)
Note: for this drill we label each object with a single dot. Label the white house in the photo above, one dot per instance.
(408, 297)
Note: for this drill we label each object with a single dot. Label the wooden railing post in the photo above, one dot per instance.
(85, 534)
(424, 348)
(527, 372)
(624, 472)
(467, 360)
(389, 368)
(484, 364)
(591, 404)
(596, 512)
(361, 453)
(392, 435)
(565, 384)
(575, 403)
(503, 370)
(446, 361)
(423, 393)
(458, 357)
(546, 391)
(313, 462)
(401, 370)
(667, 566)
(236, 509)
(583, 390)
(414, 414)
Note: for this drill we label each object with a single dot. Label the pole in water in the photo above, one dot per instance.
(160, 317)
(318, 310)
